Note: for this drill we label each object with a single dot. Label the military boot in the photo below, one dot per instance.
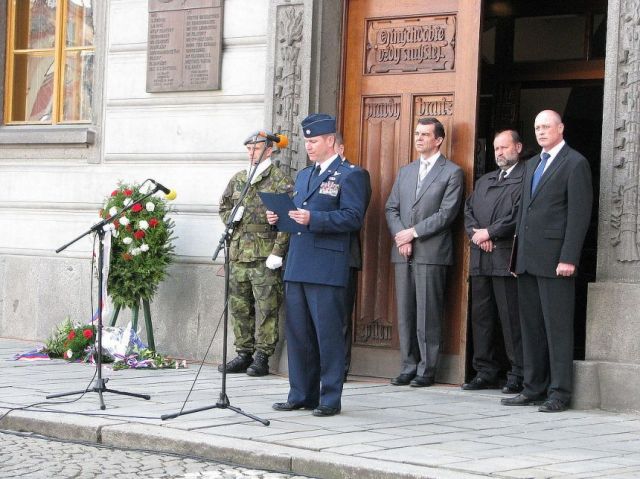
(238, 364)
(260, 365)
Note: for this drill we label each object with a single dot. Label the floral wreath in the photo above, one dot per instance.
(141, 248)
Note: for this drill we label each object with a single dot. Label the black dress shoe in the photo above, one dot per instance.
(553, 405)
(479, 383)
(522, 400)
(512, 387)
(323, 411)
(402, 380)
(421, 382)
(287, 406)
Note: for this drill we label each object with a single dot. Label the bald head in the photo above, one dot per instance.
(549, 129)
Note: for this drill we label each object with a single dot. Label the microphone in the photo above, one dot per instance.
(168, 194)
(280, 140)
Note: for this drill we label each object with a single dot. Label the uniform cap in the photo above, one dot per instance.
(258, 137)
(318, 124)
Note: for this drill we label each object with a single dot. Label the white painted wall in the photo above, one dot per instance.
(189, 141)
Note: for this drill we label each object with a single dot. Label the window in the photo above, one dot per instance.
(50, 62)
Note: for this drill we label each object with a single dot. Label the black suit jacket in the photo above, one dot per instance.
(554, 220)
(494, 205)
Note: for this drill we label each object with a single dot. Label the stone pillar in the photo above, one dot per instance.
(304, 41)
(303, 68)
(609, 376)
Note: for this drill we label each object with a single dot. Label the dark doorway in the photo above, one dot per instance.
(546, 55)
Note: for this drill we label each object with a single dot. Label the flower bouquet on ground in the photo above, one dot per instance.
(73, 342)
(141, 248)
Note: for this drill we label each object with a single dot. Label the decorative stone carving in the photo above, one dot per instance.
(287, 82)
(413, 44)
(624, 220)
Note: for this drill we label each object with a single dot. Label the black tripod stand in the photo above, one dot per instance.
(225, 239)
(100, 384)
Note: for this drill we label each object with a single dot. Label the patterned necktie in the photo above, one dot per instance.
(502, 175)
(539, 171)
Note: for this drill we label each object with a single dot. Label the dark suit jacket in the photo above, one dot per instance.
(554, 220)
(336, 200)
(494, 205)
(355, 248)
(431, 212)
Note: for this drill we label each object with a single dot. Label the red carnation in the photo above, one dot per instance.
(72, 334)
(138, 234)
(136, 208)
(127, 257)
(114, 193)
(87, 333)
(116, 223)
(153, 222)
(127, 192)
(128, 227)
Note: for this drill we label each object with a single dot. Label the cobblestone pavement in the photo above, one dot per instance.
(28, 456)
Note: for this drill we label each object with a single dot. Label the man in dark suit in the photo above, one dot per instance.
(490, 216)
(424, 201)
(330, 198)
(554, 217)
(355, 265)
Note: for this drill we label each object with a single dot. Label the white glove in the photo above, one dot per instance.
(273, 261)
(239, 213)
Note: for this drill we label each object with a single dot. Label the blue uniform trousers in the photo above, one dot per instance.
(315, 343)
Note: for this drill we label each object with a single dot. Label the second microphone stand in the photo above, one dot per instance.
(225, 242)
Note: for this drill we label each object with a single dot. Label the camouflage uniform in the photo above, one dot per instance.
(255, 291)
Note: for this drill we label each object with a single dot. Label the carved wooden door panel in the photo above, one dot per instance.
(405, 60)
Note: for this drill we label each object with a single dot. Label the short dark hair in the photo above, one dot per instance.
(515, 136)
(438, 128)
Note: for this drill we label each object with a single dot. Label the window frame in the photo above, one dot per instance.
(60, 51)
(61, 135)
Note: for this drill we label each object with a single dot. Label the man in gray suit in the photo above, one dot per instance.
(555, 212)
(424, 201)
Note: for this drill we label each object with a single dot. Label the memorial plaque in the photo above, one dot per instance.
(413, 44)
(184, 45)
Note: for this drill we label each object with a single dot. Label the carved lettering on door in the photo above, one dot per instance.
(414, 44)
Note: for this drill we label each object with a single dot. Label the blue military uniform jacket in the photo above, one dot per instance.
(337, 202)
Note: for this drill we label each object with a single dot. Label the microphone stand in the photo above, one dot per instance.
(100, 384)
(225, 242)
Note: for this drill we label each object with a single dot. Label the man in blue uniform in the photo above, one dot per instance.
(330, 197)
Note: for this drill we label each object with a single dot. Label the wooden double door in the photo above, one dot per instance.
(404, 60)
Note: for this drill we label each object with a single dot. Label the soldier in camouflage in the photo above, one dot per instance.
(256, 254)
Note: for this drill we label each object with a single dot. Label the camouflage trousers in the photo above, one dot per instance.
(255, 296)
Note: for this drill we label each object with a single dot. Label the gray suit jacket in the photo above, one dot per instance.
(430, 212)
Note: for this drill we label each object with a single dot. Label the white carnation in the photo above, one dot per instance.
(127, 240)
(144, 247)
(127, 201)
(113, 210)
(124, 221)
(143, 225)
(150, 206)
(135, 251)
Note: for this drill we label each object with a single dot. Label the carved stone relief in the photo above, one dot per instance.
(287, 82)
(414, 44)
(625, 225)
